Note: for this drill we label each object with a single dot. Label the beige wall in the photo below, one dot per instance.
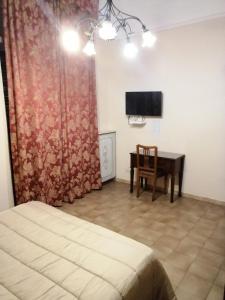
(188, 66)
(6, 195)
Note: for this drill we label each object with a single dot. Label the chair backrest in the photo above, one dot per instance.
(144, 163)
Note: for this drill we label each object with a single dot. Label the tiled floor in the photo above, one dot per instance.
(188, 236)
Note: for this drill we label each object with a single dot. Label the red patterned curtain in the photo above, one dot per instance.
(52, 98)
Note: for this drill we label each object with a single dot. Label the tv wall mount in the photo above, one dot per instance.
(136, 120)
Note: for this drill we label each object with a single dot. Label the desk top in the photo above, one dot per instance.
(167, 155)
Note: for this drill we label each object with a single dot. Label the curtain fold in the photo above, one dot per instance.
(52, 97)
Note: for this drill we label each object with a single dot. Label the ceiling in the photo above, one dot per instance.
(164, 14)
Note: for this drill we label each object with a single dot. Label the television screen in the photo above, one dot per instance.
(144, 104)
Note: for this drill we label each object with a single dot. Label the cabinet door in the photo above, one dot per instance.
(107, 156)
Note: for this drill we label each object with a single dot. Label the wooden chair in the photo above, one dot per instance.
(147, 168)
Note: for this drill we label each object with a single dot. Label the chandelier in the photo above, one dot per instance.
(111, 21)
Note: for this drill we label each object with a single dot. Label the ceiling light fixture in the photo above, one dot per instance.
(110, 22)
(130, 50)
(70, 40)
(89, 48)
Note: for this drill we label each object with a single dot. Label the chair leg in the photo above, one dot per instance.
(146, 183)
(138, 186)
(154, 188)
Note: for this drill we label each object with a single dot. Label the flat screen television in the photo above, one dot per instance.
(144, 104)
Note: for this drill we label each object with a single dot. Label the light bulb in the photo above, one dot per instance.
(130, 50)
(89, 48)
(70, 40)
(107, 31)
(149, 39)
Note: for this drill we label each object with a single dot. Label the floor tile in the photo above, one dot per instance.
(195, 286)
(216, 293)
(210, 258)
(183, 294)
(187, 235)
(220, 279)
(215, 245)
(179, 260)
(162, 252)
(167, 241)
(175, 274)
(203, 271)
(188, 247)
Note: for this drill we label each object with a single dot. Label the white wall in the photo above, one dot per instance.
(188, 66)
(6, 194)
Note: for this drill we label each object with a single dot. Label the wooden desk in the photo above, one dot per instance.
(172, 163)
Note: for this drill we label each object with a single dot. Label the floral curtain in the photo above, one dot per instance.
(52, 99)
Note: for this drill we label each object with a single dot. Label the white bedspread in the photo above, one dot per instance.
(48, 254)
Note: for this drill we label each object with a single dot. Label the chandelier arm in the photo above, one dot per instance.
(128, 25)
(120, 21)
(137, 19)
(85, 20)
(103, 8)
(124, 29)
(119, 24)
(106, 9)
(116, 13)
(129, 16)
(109, 10)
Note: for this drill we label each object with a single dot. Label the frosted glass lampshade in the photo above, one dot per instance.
(89, 48)
(70, 40)
(107, 31)
(130, 50)
(149, 39)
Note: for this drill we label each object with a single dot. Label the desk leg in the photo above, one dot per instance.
(131, 179)
(172, 187)
(166, 184)
(181, 177)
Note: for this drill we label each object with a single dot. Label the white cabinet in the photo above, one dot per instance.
(107, 142)
(6, 191)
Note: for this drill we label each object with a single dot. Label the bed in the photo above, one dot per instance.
(48, 254)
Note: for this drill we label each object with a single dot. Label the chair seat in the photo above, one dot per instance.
(147, 168)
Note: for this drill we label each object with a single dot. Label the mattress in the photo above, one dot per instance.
(48, 254)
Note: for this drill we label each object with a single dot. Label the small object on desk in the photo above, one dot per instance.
(172, 163)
